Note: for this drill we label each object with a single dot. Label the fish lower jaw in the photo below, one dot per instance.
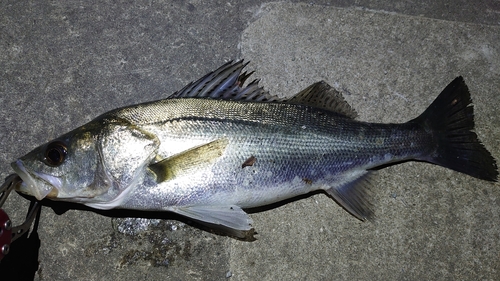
(38, 188)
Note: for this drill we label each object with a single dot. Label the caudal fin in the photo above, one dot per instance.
(451, 119)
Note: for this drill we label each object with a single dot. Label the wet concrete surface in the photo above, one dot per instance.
(64, 63)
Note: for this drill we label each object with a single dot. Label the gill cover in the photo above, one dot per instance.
(124, 151)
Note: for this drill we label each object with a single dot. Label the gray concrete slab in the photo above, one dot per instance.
(433, 224)
(63, 63)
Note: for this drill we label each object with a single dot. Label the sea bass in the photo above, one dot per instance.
(220, 145)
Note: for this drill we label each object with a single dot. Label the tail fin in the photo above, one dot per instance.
(451, 119)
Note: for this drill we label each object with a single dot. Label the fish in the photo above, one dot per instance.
(222, 145)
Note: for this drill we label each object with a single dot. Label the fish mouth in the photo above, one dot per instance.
(39, 185)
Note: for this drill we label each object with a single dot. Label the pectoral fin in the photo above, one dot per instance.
(192, 159)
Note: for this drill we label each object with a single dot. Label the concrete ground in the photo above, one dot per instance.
(64, 62)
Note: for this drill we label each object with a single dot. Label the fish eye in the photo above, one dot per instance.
(55, 153)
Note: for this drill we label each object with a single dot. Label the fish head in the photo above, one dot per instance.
(93, 164)
(59, 168)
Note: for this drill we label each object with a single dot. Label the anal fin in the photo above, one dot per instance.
(354, 196)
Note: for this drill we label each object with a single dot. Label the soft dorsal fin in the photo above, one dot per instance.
(189, 160)
(226, 83)
(324, 96)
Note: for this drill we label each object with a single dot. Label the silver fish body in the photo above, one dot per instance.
(215, 148)
(296, 149)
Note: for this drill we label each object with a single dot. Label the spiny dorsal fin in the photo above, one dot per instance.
(189, 160)
(324, 96)
(226, 83)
